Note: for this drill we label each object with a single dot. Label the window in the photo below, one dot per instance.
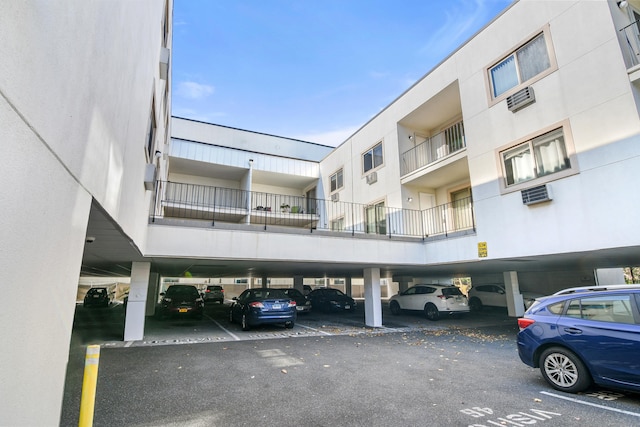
(520, 66)
(611, 308)
(372, 158)
(151, 133)
(336, 181)
(544, 155)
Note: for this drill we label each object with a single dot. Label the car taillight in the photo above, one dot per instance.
(525, 323)
(256, 304)
(443, 297)
(292, 303)
(208, 290)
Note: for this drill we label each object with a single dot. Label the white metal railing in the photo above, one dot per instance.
(441, 145)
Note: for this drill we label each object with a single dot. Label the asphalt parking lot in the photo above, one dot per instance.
(330, 370)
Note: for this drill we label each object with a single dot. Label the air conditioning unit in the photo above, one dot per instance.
(164, 63)
(372, 178)
(335, 197)
(521, 99)
(534, 195)
(149, 176)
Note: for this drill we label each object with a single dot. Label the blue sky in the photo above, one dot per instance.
(314, 70)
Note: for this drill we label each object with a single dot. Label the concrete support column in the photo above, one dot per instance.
(609, 276)
(515, 303)
(298, 283)
(137, 303)
(265, 282)
(372, 299)
(347, 285)
(404, 282)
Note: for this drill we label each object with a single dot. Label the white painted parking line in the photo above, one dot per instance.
(571, 399)
(129, 344)
(234, 336)
(313, 329)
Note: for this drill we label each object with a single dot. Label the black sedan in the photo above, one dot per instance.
(181, 300)
(329, 299)
(263, 306)
(303, 304)
(97, 297)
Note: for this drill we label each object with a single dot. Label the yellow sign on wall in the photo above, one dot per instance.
(482, 249)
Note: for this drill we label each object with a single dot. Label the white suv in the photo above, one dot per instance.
(432, 299)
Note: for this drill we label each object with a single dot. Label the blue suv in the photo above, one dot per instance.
(581, 336)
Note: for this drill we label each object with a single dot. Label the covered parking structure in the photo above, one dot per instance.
(110, 253)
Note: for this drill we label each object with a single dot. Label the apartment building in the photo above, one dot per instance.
(513, 161)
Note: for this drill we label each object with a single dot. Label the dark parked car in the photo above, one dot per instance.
(328, 299)
(214, 293)
(583, 336)
(263, 306)
(97, 297)
(181, 300)
(303, 304)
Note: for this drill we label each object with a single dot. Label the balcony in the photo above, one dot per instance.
(631, 42)
(434, 148)
(215, 205)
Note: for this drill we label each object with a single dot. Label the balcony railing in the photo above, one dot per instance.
(434, 148)
(217, 204)
(632, 40)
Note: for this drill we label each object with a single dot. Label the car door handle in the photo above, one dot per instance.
(573, 331)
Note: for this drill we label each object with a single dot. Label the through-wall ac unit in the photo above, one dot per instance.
(521, 99)
(335, 197)
(149, 176)
(534, 195)
(372, 178)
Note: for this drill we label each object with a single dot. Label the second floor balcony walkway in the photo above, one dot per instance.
(227, 205)
(434, 148)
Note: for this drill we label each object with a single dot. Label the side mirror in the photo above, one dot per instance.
(235, 298)
(161, 294)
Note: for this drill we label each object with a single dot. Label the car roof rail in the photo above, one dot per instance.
(596, 289)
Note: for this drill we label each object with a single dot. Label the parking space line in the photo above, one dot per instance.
(313, 329)
(622, 411)
(234, 336)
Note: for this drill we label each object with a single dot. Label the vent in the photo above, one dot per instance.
(372, 178)
(534, 195)
(335, 197)
(521, 99)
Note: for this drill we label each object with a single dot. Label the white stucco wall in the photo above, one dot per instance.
(76, 87)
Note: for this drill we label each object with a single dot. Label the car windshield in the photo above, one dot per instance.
(333, 292)
(293, 292)
(268, 294)
(180, 291)
(451, 291)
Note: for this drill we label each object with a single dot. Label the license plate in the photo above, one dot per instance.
(182, 310)
(96, 296)
(347, 307)
(276, 306)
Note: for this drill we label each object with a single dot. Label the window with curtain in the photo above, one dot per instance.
(372, 158)
(543, 155)
(520, 66)
(336, 181)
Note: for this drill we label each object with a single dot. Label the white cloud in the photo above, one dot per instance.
(330, 138)
(193, 90)
(458, 26)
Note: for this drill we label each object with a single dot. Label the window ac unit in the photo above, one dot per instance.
(372, 178)
(149, 176)
(335, 197)
(521, 99)
(534, 195)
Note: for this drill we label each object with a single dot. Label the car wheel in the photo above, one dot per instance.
(564, 370)
(289, 325)
(395, 307)
(475, 304)
(245, 323)
(431, 311)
